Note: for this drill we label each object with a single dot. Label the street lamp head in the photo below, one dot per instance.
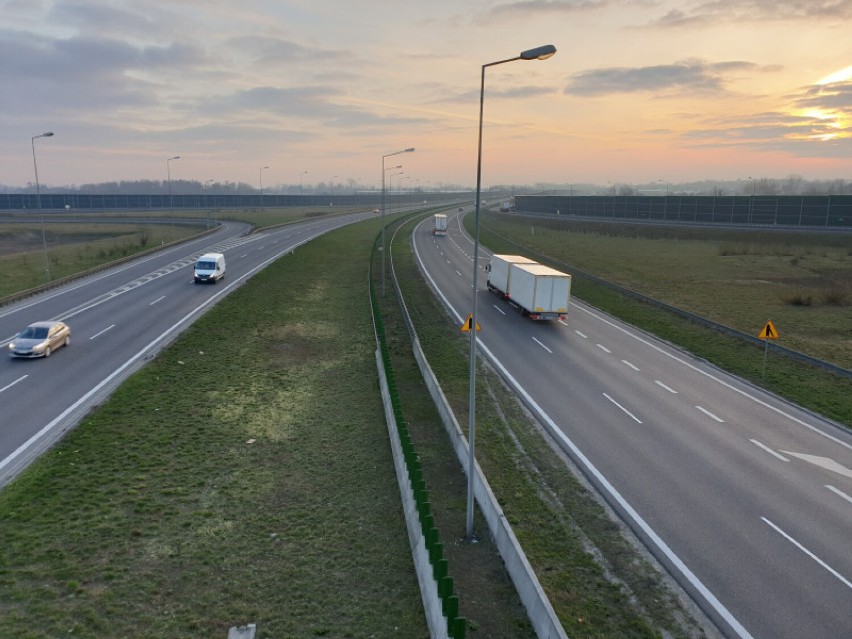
(47, 134)
(408, 150)
(177, 157)
(539, 53)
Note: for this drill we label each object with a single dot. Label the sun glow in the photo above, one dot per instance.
(838, 76)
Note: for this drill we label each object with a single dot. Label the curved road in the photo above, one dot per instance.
(746, 499)
(119, 319)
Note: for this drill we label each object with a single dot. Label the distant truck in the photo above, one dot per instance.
(538, 291)
(505, 206)
(209, 268)
(440, 224)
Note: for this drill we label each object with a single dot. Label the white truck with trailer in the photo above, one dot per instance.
(440, 224)
(538, 291)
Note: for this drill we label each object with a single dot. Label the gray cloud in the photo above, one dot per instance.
(263, 49)
(710, 13)
(523, 91)
(531, 8)
(316, 103)
(829, 97)
(694, 75)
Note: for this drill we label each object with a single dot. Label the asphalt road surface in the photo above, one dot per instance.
(745, 498)
(119, 319)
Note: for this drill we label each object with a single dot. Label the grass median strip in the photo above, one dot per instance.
(242, 476)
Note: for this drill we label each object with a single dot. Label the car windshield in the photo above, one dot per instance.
(34, 332)
(206, 266)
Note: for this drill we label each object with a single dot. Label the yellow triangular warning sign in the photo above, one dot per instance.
(768, 331)
(467, 323)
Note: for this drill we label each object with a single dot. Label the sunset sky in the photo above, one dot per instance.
(318, 90)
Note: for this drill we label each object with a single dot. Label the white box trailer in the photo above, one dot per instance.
(499, 274)
(540, 291)
(440, 224)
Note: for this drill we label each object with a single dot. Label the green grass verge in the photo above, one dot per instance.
(664, 268)
(596, 580)
(73, 248)
(244, 475)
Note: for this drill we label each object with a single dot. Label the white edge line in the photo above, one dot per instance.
(842, 579)
(676, 561)
(769, 450)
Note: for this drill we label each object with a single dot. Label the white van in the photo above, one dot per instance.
(210, 267)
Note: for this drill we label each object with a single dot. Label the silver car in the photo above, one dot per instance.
(40, 339)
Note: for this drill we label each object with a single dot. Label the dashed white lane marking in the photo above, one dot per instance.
(626, 412)
(668, 388)
(842, 579)
(769, 450)
(99, 333)
(542, 345)
(710, 415)
(7, 386)
(837, 491)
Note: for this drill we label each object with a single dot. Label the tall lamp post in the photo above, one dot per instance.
(46, 134)
(387, 155)
(261, 193)
(169, 178)
(539, 53)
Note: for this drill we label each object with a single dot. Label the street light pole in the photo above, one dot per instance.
(47, 134)
(169, 177)
(539, 53)
(261, 193)
(387, 155)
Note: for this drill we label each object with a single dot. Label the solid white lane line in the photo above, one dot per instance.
(626, 412)
(159, 299)
(20, 379)
(842, 579)
(459, 272)
(499, 309)
(837, 491)
(583, 335)
(99, 333)
(603, 348)
(542, 345)
(769, 450)
(711, 415)
(629, 365)
(661, 385)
